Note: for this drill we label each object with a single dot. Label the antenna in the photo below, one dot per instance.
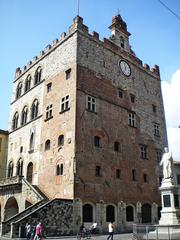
(78, 2)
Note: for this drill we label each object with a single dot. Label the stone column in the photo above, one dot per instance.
(139, 212)
(100, 208)
(154, 213)
(77, 214)
(101, 216)
(121, 216)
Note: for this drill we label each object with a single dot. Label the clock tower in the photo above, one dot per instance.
(119, 33)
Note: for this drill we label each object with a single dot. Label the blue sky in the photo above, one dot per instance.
(27, 27)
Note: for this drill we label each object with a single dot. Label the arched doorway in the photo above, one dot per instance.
(129, 214)
(87, 213)
(110, 213)
(146, 213)
(30, 172)
(11, 208)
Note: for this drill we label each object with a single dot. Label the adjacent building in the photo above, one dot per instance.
(87, 123)
(3, 152)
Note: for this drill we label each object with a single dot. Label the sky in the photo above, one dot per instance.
(27, 27)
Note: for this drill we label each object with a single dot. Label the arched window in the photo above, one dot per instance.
(34, 109)
(31, 142)
(129, 214)
(30, 172)
(87, 213)
(61, 140)
(37, 76)
(27, 83)
(47, 144)
(110, 213)
(19, 168)
(97, 141)
(24, 116)
(19, 90)
(10, 169)
(15, 121)
(146, 213)
(59, 169)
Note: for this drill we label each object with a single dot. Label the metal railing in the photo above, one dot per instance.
(156, 232)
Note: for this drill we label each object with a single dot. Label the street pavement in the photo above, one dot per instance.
(124, 236)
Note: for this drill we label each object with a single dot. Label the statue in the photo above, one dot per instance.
(167, 162)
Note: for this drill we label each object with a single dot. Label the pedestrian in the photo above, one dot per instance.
(38, 235)
(110, 230)
(93, 228)
(28, 231)
(33, 231)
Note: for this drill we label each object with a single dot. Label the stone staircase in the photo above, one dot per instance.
(56, 216)
(6, 226)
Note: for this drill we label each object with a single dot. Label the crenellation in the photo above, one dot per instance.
(95, 36)
(29, 63)
(62, 36)
(35, 59)
(146, 66)
(47, 48)
(155, 70)
(18, 72)
(41, 53)
(78, 24)
(55, 42)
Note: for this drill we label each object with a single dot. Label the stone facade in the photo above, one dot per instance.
(98, 131)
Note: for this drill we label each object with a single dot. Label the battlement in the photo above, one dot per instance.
(78, 25)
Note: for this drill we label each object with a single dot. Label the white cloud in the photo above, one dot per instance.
(171, 97)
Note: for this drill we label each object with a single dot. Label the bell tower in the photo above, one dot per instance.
(119, 33)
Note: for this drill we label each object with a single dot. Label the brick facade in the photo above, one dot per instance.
(122, 170)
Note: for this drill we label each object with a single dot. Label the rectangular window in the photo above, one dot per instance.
(68, 73)
(158, 155)
(49, 87)
(133, 174)
(132, 97)
(98, 171)
(116, 146)
(65, 104)
(49, 111)
(91, 103)
(145, 178)
(178, 179)
(156, 130)
(143, 151)
(132, 119)
(120, 93)
(154, 108)
(118, 173)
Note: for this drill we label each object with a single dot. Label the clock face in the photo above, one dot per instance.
(125, 68)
